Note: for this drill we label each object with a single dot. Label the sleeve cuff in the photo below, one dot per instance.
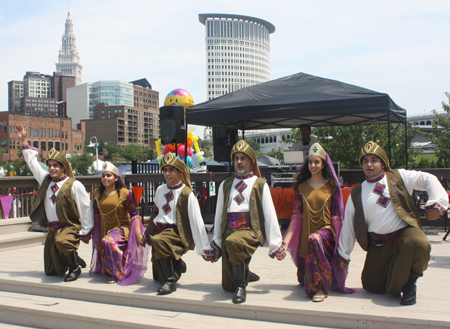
(87, 236)
(342, 259)
(28, 147)
(210, 252)
(215, 246)
(435, 205)
(148, 238)
(279, 250)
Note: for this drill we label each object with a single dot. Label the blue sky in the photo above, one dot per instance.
(397, 47)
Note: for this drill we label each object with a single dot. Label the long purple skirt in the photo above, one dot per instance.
(314, 268)
(113, 246)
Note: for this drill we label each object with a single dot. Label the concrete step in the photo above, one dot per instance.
(59, 313)
(14, 225)
(88, 295)
(276, 298)
(21, 240)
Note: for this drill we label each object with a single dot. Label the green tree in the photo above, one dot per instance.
(277, 154)
(131, 151)
(148, 154)
(21, 168)
(253, 144)
(441, 131)
(81, 163)
(343, 143)
(206, 147)
(3, 163)
(110, 149)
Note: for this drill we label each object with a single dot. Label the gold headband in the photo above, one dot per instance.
(375, 149)
(171, 159)
(53, 154)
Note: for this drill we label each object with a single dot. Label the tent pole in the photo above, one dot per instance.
(389, 136)
(243, 134)
(406, 144)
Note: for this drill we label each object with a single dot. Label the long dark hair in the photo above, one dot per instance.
(305, 174)
(118, 186)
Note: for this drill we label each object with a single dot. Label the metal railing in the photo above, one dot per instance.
(26, 188)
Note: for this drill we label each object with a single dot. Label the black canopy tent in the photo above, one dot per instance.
(297, 99)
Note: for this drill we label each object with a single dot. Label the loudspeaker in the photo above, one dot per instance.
(171, 124)
(223, 141)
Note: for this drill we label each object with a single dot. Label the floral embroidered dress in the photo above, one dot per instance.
(316, 218)
(115, 251)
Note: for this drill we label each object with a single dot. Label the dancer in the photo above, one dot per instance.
(245, 219)
(60, 205)
(382, 217)
(118, 242)
(316, 222)
(176, 225)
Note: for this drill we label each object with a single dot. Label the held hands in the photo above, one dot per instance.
(140, 240)
(281, 255)
(213, 258)
(342, 266)
(432, 214)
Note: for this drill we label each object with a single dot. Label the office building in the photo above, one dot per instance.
(44, 133)
(69, 58)
(237, 53)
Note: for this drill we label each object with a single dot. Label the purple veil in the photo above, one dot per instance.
(339, 275)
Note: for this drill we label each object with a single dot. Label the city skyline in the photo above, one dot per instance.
(397, 48)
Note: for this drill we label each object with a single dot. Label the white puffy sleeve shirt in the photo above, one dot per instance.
(78, 192)
(273, 234)
(384, 219)
(195, 217)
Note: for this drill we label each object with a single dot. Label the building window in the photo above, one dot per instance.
(37, 119)
(57, 146)
(43, 146)
(50, 145)
(36, 144)
(35, 133)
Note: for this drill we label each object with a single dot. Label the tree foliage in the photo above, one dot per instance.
(207, 147)
(344, 143)
(441, 132)
(277, 154)
(131, 151)
(253, 144)
(81, 163)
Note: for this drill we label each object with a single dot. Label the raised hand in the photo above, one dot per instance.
(22, 133)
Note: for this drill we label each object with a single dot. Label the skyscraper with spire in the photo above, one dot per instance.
(69, 58)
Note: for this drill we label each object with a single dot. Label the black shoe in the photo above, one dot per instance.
(253, 277)
(183, 266)
(169, 285)
(74, 267)
(80, 261)
(409, 291)
(73, 275)
(240, 294)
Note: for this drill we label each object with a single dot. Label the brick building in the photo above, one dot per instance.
(15, 93)
(123, 125)
(43, 134)
(39, 94)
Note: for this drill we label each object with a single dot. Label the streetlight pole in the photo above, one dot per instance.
(96, 150)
